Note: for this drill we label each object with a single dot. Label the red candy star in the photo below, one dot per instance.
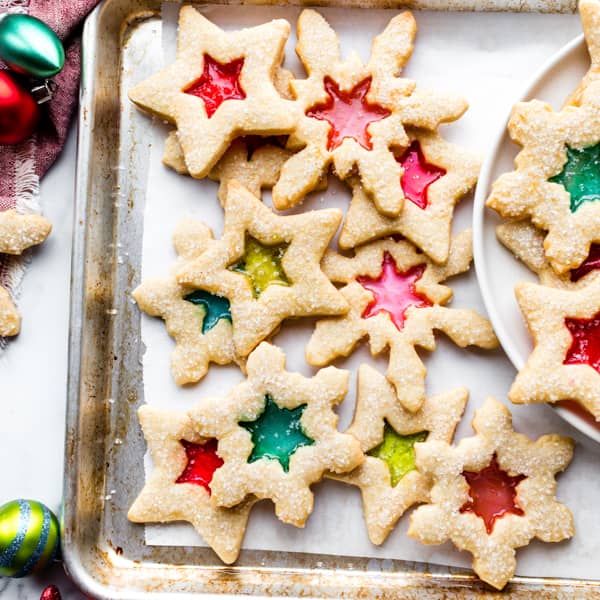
(492, 493)
(394, 292)
(591, 263)
(51, 593)
(218, 83)
(203, 461)
(418, 175)
(585, 348)
(348, 113)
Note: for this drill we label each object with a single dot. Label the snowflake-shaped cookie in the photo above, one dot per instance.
(493, 492)
(436, 175)
(221, 86)
(353, 115)
(565, 363)
(255, 168)
(557, 178)
(178, 488)
(198, 321)
(526, 242)
(277, 435)
(17, 233)
(396, 300)
(267, 266)
(388, 479)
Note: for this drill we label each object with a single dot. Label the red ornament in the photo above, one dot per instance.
(585, 347)
(50, 593)
(19, 112)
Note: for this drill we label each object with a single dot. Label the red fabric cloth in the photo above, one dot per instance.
(66, 18)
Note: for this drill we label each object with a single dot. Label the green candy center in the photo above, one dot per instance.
(214, 308)
(398, 451)
(262, 265)
(581, 175)
(277, 433)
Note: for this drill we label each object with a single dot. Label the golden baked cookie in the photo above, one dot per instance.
(267, 266)
(178, 487)
(396, 300)
(277, 435)
(353, 115)
(17, 233)
(388, 479)
(493, 493)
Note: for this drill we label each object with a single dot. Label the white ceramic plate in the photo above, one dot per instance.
(497, 269)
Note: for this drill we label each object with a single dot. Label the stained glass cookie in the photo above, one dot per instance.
(267, 266)
(565, 362)
(526, 242)
(178, 487)
(17, 233)
(353, 114)
(436, 175)
(388, 479)
(277, 435)
(493, 493)
(397, 300)
(556, 183)
(221, 86)
(198, 321)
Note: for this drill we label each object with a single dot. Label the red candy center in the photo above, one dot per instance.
(348, 113)
(418, 175)
(585, 348)
(492, 493)
(394, 292)
(218, 83)
(591, 263)
(203, 461)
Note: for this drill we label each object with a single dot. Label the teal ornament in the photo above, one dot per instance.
(29, 537)
(29, 46)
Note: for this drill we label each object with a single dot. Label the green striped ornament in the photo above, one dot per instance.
(29, 537)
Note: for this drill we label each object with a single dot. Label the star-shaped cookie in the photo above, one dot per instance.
(199, 322)
(526, 242)
(565, 363)
(17, 233)
(267, 266)
(277, 435)
(388, 480)
(178, 488)
(397, 301)
(493, 492)
(352, 115)
(557, 178)
(437, 174)
(221, 86)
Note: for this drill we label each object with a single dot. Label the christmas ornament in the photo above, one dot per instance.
(51, 593)
(29, 46)
(19, 112)
(29, 537)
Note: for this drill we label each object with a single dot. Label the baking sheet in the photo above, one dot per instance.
(466, 52)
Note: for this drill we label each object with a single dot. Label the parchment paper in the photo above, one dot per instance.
(488, 58)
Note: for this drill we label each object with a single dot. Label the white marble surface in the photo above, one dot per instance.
(32, 408)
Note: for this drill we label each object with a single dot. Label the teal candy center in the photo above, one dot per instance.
(398, 451)
(277, 433)
(215, 308)
(581, 175)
